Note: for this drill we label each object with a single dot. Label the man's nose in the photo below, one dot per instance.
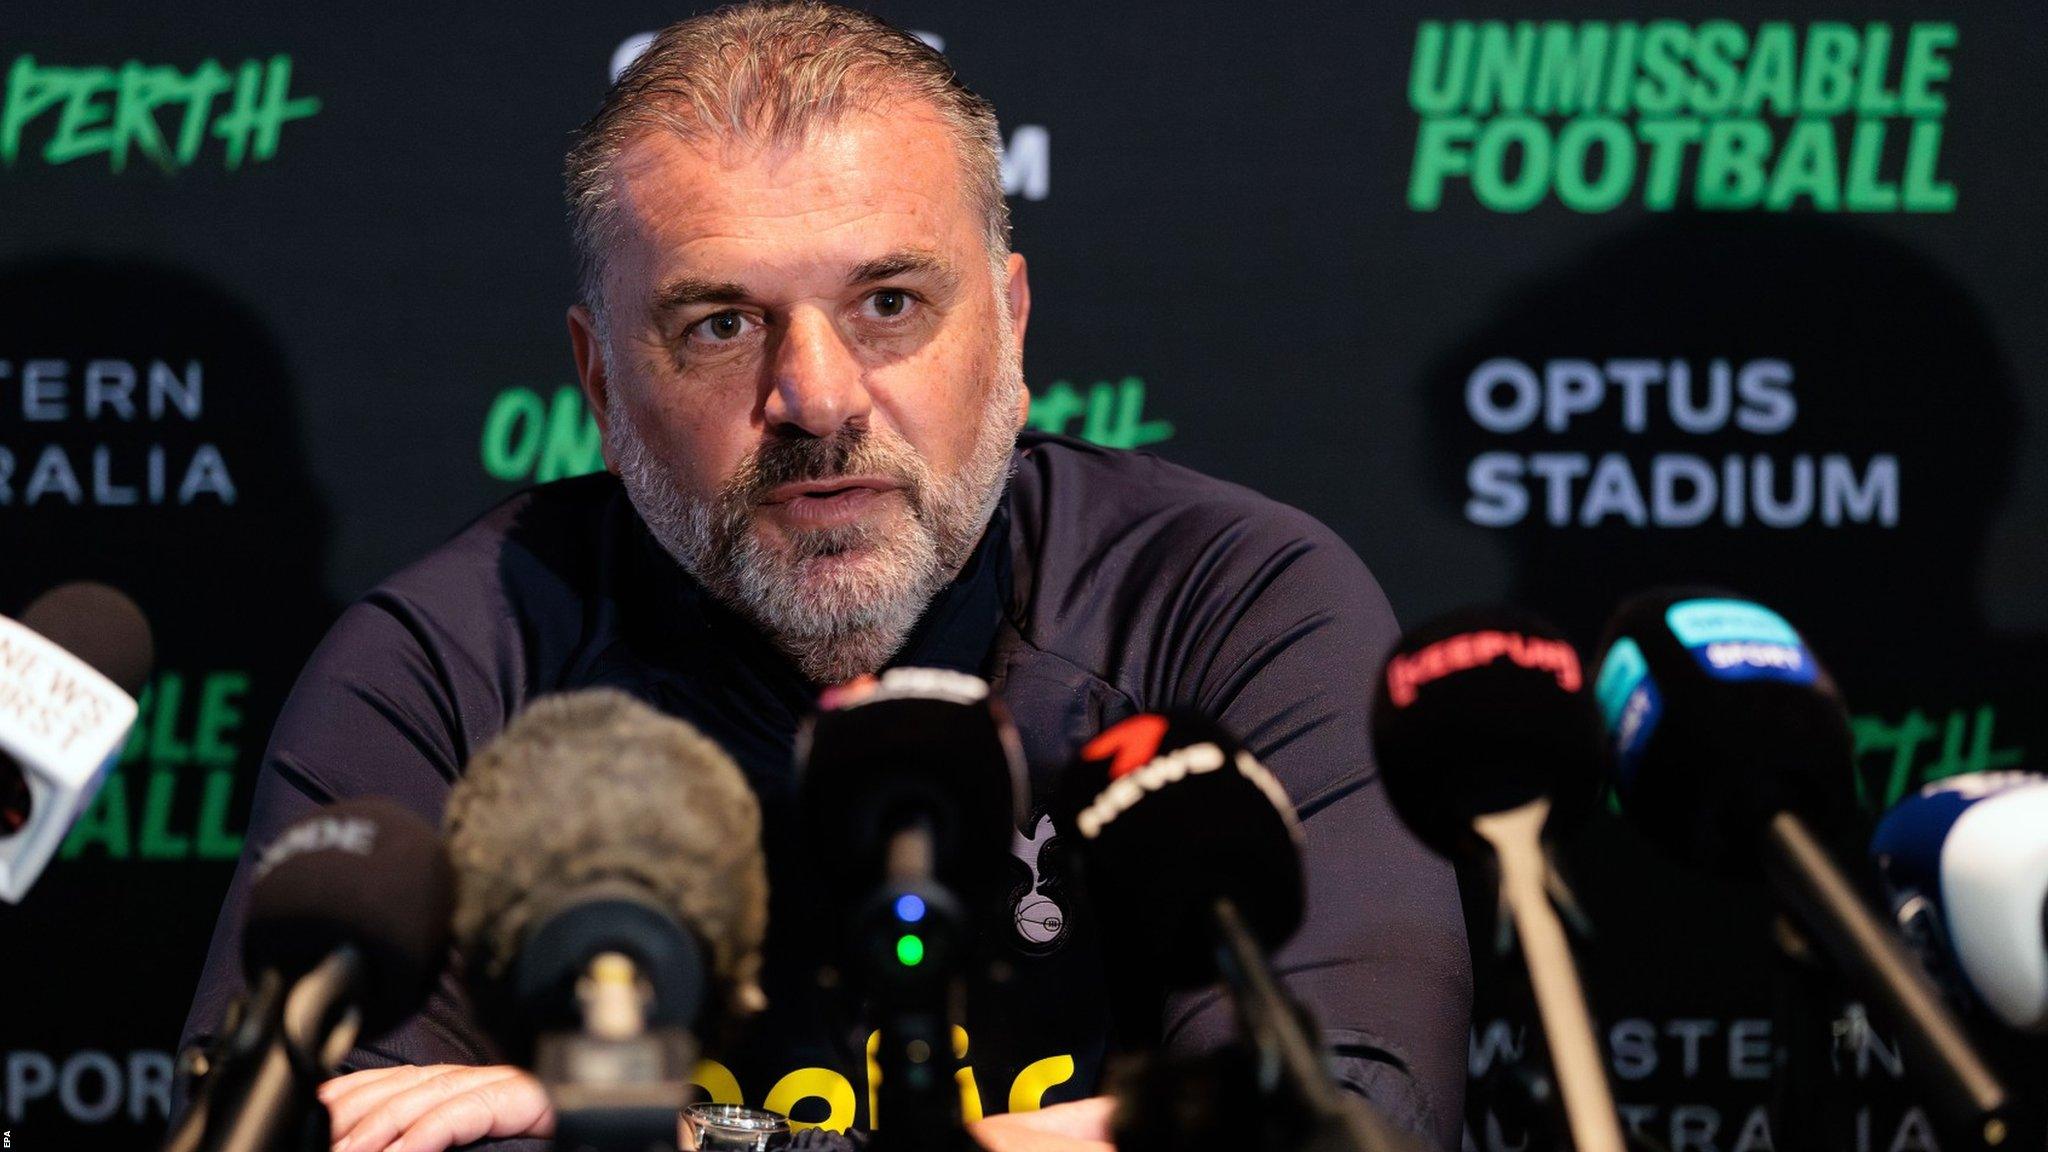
(816, 382)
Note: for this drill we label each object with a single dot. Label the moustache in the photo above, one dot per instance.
(849, 452)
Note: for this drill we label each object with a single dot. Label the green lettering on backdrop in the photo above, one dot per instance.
(528, 438)
(98, 110)
(1512, 144)
(1569, 69)
(1112, 415)
(1717, 115)
(182, 744)
(1889, 760)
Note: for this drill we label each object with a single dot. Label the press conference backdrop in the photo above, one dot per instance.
(1544, 303)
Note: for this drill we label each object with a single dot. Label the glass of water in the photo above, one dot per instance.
(732, 1128)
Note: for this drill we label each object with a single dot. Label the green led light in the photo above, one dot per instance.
(910, 950)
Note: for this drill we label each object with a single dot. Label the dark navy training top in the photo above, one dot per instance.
(1108, 583)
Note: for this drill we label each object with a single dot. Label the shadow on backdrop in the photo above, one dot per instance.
(1815, 416)
(149, 438)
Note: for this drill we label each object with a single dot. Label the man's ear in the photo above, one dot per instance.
(591, 374)
(1019, 295)
(1018, 291)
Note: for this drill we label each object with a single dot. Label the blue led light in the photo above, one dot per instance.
(909, 909)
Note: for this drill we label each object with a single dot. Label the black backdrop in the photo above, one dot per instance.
(281, 298)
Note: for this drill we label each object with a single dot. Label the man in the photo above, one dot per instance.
(800, 329)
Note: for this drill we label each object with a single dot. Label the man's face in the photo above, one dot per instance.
(813, 382)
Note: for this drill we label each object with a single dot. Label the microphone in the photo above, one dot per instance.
(927, 751)
(1732, 748)
(1486, 738)
(911, 783)
(69, 672)
(610, 896)
(1192, 859)
(1965, 863)
(347, 929)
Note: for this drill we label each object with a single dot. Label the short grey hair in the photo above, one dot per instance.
(764, 73)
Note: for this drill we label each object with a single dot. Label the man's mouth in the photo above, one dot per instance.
(837, 485)
(825, 503)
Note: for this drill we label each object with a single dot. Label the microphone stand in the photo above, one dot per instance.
(1516, 837)
(230, 1063)
(614, 986)
(1835, 917)
(1285, 1053)
(615, 1085)
(319, 1026)
(1807, 1098)
(917, 1102)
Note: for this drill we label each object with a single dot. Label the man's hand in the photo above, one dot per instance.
(1082, 1126)
(408, 1109)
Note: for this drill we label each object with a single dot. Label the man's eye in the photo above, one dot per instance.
(889, 303)
(722, 327)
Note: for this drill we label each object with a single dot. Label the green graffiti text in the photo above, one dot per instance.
(1896, 757)
(155, 111)
(1111, 415)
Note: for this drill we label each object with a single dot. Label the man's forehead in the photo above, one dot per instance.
(842, 191)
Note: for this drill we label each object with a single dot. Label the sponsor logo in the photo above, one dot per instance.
(1698, 622)
(1506, 396)
(1620, 672)
(62, 114)
(351, 834)
(1730, 657)
(1634, 727)
(1828, 116)
(1126, 790)
(905, 684)
(825, 1098)
(1408, 674)
(1736, 640)
(1629, 704)
(52, 700)
(1129, 744)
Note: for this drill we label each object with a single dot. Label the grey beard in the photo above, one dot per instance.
(849, 620)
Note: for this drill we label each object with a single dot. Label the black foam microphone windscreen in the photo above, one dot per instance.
(1172, 814)
(1732, 749)
(1481, 711)
(100, 626)
(1719, 718)
(924, 745)
(593, 794)
(363, 872)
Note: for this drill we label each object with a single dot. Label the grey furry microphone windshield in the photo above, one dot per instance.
(592, 798)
